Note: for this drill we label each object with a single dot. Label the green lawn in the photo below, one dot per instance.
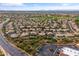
(77, 20)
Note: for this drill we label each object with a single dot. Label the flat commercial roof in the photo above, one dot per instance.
(70, 51)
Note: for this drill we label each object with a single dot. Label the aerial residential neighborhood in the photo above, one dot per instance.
(33, 32)
(37, 31)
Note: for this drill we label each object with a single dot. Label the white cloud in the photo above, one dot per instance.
(67, 7)
(65, 4)
(39, 1)
(12, 1)
(11, 4)
(21, 6)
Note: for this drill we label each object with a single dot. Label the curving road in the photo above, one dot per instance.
(11, 50)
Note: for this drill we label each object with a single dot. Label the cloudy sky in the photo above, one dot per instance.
(39, 6)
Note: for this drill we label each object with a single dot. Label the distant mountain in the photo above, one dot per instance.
(42, 11)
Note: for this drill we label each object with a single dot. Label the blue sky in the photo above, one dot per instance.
(39, 6)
